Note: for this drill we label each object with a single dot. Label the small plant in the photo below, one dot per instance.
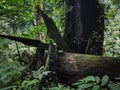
(29, 85)
(96, 83)
(39, 74)
(57, 87)
(10, 74)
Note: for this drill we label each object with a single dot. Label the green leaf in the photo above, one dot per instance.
(78, 83)
(8, 88)
(114, 87)
(96, 87)
(85, 80)
(85, 86)
(7, 80)
(29, 82)
(88, 79)
(54, 88)
(97, 79)
(104, 80)
(4, 76)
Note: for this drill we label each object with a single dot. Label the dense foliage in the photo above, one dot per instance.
(17, 18)
(112, 30)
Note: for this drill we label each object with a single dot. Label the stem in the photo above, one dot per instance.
(48, 58)
(16, 44)
(51, 51)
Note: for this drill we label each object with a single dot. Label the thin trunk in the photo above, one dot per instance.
(39, 55)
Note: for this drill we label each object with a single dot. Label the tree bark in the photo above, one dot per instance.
(84, 26)
(74, 66)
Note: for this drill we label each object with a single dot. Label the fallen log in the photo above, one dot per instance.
(72, 66)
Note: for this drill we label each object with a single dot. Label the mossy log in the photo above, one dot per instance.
(75, 66)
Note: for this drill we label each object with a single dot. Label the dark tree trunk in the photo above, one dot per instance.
(84, 26)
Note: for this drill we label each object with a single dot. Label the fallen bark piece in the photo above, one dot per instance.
(26, 41)
(54, 33)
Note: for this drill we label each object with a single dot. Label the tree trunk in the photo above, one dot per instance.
(74, 66)
(38, 59)
(84, 26)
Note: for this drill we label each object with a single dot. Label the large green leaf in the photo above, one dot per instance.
(104, 80)
(85, 86)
